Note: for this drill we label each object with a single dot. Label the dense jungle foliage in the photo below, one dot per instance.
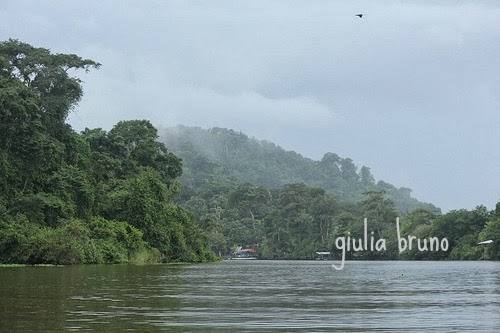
(90, 197)
(121, 196)
(247, 192)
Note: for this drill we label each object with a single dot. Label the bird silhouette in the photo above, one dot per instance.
(359, 15)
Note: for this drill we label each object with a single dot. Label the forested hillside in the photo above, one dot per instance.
(223, 154)
(93, 197)
(247, 192)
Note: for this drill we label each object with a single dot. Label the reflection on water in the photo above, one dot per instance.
(254, 296)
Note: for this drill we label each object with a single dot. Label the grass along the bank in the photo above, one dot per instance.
(25, 265)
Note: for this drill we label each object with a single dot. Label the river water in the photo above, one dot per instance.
(254, 296)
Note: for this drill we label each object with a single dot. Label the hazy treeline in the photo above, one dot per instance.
(223, 154)
(90, 197)
(250, 192)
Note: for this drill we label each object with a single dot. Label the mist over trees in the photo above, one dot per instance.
(220, 152)
(250, 192)
(136, 194)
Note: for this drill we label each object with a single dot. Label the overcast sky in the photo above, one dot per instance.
(411, 90)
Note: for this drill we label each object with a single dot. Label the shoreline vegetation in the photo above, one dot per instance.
(25, 265)
(177, 263)
(172, 263)
(138, 195)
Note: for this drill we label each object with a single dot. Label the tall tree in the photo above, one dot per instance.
(47, 75)
(381, 215)
(367, 179)
(36, 94)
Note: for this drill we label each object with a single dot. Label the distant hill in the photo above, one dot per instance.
(219, 154)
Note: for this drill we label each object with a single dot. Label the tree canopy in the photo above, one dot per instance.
(134, 194)
(89, 197)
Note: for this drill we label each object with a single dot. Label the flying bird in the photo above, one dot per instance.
(359, 15)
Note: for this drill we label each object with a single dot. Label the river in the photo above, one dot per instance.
(254, 296)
